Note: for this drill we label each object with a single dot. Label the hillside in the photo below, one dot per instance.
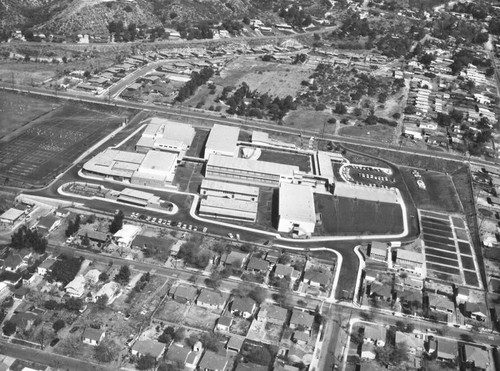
(93, 16)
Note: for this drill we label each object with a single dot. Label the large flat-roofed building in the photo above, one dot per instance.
(296, 209)
(156, 170)
(228, 208)
(222, 140)
(214, 188)
(135, 197)
(165, 135)
(11, 216)
(246, 171)
(112, 163)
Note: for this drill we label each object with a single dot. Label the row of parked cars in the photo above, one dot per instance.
(166, 222)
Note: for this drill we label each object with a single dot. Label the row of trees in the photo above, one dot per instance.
(295, 16)
(29, 239)
(197, 79)
(193, 255)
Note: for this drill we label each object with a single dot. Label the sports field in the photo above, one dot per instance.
(52, 143)
(347, 216)
(448, 254)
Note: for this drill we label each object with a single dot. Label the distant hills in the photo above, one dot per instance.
(67, 17)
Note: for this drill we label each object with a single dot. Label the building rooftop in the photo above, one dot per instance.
(223, 139)
(229, 204)
(296, 203)
(301, 318)
(212, 297)
(230, 187)
(213, 361)
(47, 221)
(185, 292)
(410, 256)
(243, 305)
(92, 334)
(246, 165)
(152, 347)
(12, 214)
(270, 311)
(257, 264)
(178, 354)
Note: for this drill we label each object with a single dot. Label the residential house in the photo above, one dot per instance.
(183, 293)
(441, 303)
(111, 290)
(213, 362)
(92, 276)
(447, 350)
(45, 266)
(4, 290)
(300, 337)
(152, 347)
(92, 336)
(18, 293)
(10, 278)
(213, 300)
(17, 260)
(462, 295)
(76, 288)
(273, 314)
(477, 311)
(223, 324)
(317, 277)
(476, 357)
(244, 307)
(234, 344)
(281, 271)
(48, 223)
(94, 236)
(411, 261)
(301, 319)
(381, 291)
(375, 335)
(256, 265)
(250, 367)
(234, 259)
(183, 356)
(272, 256)
(124, 237)
(378, 251)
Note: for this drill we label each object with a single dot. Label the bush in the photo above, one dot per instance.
(9, 328)
(58, 325)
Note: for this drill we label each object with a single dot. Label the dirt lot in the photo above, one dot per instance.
(240, 326)
(310, 120)
(379, 133)
(266, 77)
(172, 311)
(440, 194)
(200, 318)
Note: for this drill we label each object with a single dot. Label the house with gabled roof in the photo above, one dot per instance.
(257, 265)
(300, 318)
(234, 344)
(273, 314)
(281, 271)
(272, 256)
(76, 288)
(184, 293)
(211, 361)
(447, 350)
(374, 334)
(477, 311)
(476, 357)
(92, 336)
(45, 266)
(234, 259)
(317, 277)
(244, 307)
(440, 303)
(213, 300)
(224, 324)
(152, 347)
(48, 223)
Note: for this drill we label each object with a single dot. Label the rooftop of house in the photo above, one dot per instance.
(475, 308)
(321, 276)
(243, 305)
(212, 297)
(176, 353)
(283, 270)
(185, 292)
(92, 334)
(234, 343)
(155, 348)
(257, 264)
(301, 318)
(213, 361)
(273, 312)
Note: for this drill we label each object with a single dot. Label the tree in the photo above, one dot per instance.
(117, 222)
(410, 110)
(9, 328)
(340, 108)
(106, 351)
(58, 325)
(123, 276)
(392, 355)
(259, 294)
(145, 362)
(103, 277)
(86, 240)
(73, 304)
(51, 304)
(102, 301)
(30, 239)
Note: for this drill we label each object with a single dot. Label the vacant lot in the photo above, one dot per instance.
(17, 110)
(48, 147)
(310, 120)
(440, 194)
(377, 133)
(272, 78)
(200, 318)
(172, 311)
(345, 216)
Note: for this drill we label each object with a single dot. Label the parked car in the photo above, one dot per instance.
(54, 342)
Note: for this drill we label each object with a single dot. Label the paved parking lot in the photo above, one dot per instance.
(447, 249)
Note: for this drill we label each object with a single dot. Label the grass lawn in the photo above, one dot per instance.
(464, 248)
(345, 216)
(302, 161)
(461, 234)
(468, 262)
(310, 120)
(198, 143)
(440, 194)
(188, 177)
